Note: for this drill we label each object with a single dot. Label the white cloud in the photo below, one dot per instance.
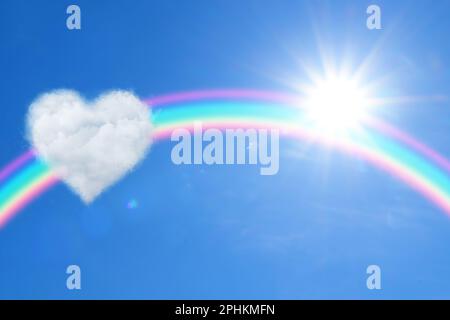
(90, 146)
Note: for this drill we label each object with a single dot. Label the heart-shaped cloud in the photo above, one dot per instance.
(90, 146)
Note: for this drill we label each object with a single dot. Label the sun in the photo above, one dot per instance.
(336, 105)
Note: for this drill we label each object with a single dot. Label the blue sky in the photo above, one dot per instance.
(227, 232)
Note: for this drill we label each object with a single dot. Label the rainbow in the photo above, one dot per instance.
(380, 144)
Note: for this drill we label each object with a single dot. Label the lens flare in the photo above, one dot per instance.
(132, 204)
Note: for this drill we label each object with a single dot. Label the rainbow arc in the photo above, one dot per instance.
(380, 144)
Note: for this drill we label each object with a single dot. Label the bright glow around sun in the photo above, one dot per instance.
(336, 105)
